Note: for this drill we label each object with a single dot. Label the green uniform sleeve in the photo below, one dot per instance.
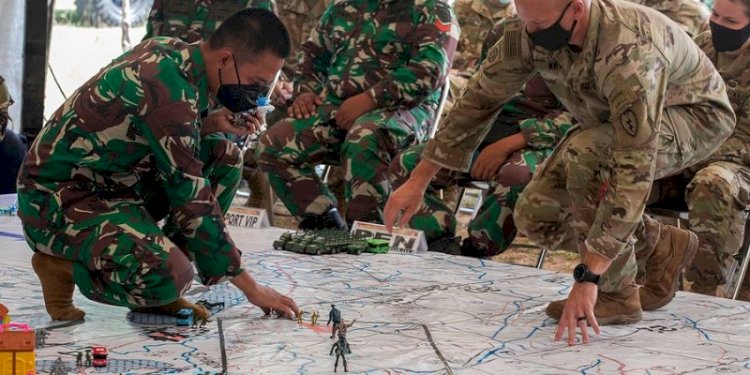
(315, 57)
(500, 77)
(546, 133)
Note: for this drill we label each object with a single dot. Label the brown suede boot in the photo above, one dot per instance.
(674, 251)
(172, 309)
(621, 307)
(56, 277)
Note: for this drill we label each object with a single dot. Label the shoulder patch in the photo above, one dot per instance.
(512, 40)
(624, 96)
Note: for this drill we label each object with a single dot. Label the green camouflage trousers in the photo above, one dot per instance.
(564, 194)
(718, 198)
(492, 230)
(289, 151)
(120, 254)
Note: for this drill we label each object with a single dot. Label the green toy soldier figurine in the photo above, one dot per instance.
(335, 317)
(341, 347)
(79, 359)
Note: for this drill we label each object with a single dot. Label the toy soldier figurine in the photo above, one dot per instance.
(203, 322)
(343, 328)
(79, 359)
(299, 316)
(335, 317)
(41, 336)
(314, 317)
(341, 347)
(88, 357)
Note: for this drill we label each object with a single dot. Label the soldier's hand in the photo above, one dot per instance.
(351, 109)
(405, 201)
(489, 162)
(224, 121)
(281, 93)
(304, 106)
(578, 313)
(265, 297)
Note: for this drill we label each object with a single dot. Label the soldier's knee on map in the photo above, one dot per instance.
(180, 270)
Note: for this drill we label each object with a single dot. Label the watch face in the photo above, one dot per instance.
(579, 271)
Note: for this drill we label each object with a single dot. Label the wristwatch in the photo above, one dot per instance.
(581, 273)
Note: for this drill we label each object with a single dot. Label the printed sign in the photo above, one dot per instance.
(402, 240)
(247, 217)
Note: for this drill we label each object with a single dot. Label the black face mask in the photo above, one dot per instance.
(725, 39)
(238, 97)
(554, 37)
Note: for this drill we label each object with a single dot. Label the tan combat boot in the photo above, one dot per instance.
(56, 277)
(621, 307)
(674, 251)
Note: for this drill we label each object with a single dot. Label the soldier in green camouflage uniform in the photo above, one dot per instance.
(692, 15)
(540, 125)
(195, 20)
(367, 87)
(133, 146)
(649, 104)
(719, 194)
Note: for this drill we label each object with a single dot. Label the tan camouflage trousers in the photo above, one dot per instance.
(718, 197)
(120, 255)
(565, 191)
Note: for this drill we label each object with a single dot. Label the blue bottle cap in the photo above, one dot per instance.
(263, 101)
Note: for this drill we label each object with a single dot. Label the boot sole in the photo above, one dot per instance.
(689, 255)
(621, 319)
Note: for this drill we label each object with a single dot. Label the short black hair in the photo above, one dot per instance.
(251, 32)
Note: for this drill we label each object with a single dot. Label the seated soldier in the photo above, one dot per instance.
(523, 134)
(718, 196)
(133, 146)
(368, 86)
(692, 15)
(195, 20)
(12, 147)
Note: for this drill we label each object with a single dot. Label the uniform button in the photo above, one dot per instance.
(732, 83)
(230, 269)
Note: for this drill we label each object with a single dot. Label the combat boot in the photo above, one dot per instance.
(674, 251)
(56, 276)
(331, 219)
(446, 245)
(621, 307)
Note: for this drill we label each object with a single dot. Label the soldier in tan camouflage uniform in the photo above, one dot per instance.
(692, 15)
(367, 87)
(649, 104)
(131, 147)
(719, 194)
(476, 18)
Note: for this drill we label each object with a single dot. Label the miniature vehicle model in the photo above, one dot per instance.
(377, 246)
(100, 356)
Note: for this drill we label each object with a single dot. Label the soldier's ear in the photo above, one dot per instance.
(224, 58)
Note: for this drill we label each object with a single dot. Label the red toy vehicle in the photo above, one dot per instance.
(100, 356)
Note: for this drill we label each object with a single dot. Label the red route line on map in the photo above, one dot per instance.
(621, 368)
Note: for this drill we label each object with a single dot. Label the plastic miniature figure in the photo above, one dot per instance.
(41, 337)
(343, 327)
(299, 316)
(335, 317)
(59, 368)
(203, 322)
(314, 317)
(79, 359)
(195, 321)
(88, 357)
(341, 347)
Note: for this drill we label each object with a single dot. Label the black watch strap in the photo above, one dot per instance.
(582, 274)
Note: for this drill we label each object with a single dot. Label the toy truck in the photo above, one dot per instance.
(100, 356)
